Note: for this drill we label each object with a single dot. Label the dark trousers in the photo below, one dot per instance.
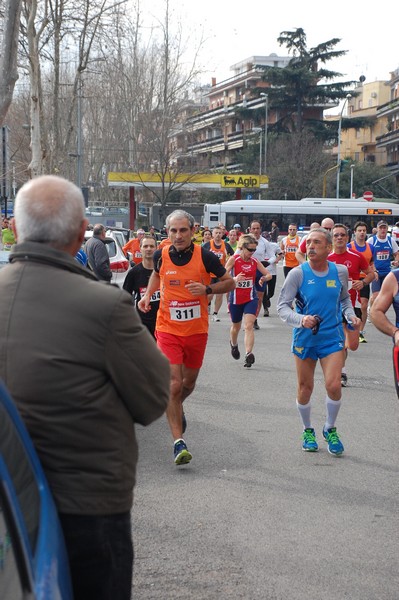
(269, 292)
(287, 270)
(100, 551)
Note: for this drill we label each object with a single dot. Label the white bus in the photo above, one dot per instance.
(302, 212)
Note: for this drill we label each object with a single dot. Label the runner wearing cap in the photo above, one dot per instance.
(237, 227)
(133, 246)
(384, 249)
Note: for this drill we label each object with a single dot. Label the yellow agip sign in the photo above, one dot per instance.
(198, 180)
(239, 181)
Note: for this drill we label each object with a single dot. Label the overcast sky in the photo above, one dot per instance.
(235, 31)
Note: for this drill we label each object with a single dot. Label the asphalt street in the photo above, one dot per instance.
(253, 516)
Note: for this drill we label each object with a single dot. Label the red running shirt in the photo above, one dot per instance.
(355, 263)
(245, 290)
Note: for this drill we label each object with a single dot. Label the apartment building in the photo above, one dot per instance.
(388, 114)
(225, 117)
(361, 144)
(235, 115)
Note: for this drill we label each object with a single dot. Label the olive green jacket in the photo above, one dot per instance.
(82, 369)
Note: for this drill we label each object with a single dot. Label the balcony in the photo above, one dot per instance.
(388, 138)
(388, 108)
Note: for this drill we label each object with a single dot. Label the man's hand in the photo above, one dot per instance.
(196, 288)
(144, 304)
(310, 321)
(355, 323)
(239, 277)
(357, 284)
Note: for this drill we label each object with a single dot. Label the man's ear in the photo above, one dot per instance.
(83, 229)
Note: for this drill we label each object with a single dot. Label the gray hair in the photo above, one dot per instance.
(49, 210)
(180, 214)
(325, 232)
(98, 229)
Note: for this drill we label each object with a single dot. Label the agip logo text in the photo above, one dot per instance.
(240, 181)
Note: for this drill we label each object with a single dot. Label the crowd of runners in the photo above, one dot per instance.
(332, 278)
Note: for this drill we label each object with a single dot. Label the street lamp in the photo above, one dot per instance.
(260, 131)
(265, 96)
(348, 96)
(352, 167)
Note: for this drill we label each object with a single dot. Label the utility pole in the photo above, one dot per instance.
(266, 97)
(348, 96)
(79, 149)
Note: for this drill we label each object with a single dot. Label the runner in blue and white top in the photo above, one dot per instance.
(385, 251)
(320, 291)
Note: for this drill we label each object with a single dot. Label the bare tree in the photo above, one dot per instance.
(132, 84)
(162, 110)
(8, 56)
(34, 31)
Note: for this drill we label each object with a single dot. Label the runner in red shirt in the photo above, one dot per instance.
(243, 301)
(356, 264)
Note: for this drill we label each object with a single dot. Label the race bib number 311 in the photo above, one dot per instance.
(184, 311)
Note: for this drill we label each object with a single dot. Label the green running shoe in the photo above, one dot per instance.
(335, 446)
(309, 443)
(182, 455)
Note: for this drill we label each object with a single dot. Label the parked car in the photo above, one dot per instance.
(122, 234)
(33, 558)
(119, 263)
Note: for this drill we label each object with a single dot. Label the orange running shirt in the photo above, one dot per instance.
(133, 246)
(181, 313)
(220, 251)
(291, 245)
(163, 243)
(363, 251)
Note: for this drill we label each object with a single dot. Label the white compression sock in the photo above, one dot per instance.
(332, 408)
(304, 411)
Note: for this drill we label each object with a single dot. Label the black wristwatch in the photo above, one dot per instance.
(208, 290)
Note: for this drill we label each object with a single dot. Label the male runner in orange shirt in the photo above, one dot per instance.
(182, 272)
(222, 249)
(289, 245)
(133, 246)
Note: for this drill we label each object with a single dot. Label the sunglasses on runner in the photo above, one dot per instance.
(250, 249)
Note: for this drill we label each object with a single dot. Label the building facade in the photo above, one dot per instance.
(361, 144)
(237, 114)
(388, 114)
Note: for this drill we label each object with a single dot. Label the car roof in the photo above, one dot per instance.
(107, 240)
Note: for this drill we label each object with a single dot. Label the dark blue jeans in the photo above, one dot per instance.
(100, 551)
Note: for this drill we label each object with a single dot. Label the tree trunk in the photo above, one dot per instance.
(8, 56)
(36, 163)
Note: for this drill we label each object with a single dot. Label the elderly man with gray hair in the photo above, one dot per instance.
(97, 254)
(68, 346)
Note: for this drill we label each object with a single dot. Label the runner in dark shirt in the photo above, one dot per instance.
(136, 282)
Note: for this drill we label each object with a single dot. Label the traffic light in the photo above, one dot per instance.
(342, 164)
